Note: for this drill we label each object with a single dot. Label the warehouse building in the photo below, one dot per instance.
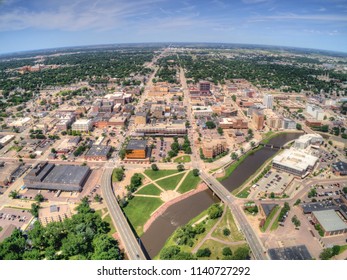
(295, 162)
(330, 221)
(49, 176)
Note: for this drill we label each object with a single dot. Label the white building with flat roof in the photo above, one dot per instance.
(315, 111)
(82, 125)
(268, 101)
(294, 161)
(308, 139)
(202, 111)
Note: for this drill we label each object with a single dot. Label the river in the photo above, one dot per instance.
(183, 211)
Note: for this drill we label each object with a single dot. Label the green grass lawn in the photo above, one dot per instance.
(150, 189)
(155, 175)
(244, 193)
(185, 248)
(184, 158)
(189, 183)
(216, 249)
(171, 182)
(270, 218)
(139, 210)
(343, 248)
(229, 223)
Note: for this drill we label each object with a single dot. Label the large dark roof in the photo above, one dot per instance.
(136, 144)
(98, 150)
(290, 253)
(267, 208)
(339, 166)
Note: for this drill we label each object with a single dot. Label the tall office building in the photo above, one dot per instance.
(268, 100)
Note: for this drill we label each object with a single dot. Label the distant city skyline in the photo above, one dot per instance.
(39, 24)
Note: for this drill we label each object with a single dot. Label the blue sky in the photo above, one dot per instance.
(38, 24)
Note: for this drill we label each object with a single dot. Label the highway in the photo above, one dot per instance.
(123, 228)
(251, 237)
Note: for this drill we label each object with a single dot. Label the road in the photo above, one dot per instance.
(123, 228)
(251, 237)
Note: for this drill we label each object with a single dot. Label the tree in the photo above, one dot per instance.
(39, 198)
(169, 253)
(233, 97)
(210, 125)
(35, 209)
(298, 126)
(118, 174)
(196, 172)
(180, 167)
(136, 180)
(336, 250)
(227, 251)
(344, 190)
(154, 167)
(220, 131)
(272, 195)
(106, 248)
(97, 198)
(326, 254)
(226, 232)
(122, 153)
(53, 151)
(201, 253)
(215, 211)
(14, 194)
(252, 144)
(241, 253)
(234, 156)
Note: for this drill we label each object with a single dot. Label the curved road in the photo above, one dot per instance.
(131, 245)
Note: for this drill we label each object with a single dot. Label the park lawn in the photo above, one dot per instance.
(155, 175)
(343, 248)
(270, 218)
(185, 248)
(139, 210)
(229, 223)
(184, 158)
(216, 249)
(244, 193)
(150, 189)
(171, 182)
(189, 183)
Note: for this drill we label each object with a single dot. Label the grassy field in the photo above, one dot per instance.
(150, 189)
(216, 249)
(189, 183)
(343, 248)
(275, 224)
(171, 182)
(270, 218)
(139, 210)
(155, 175)
(184, 158)
(185, 248)
(229, 223)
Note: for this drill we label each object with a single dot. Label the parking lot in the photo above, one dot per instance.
(274, 181)
(326, 192)
(16, 217)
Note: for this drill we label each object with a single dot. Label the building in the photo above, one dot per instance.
(289, 124)
(202, 111)
(6, 139)
(330, 222)
(83, 125)
(294, 161)
(233, 123)
(316, 112)
(312, 123)
(308, 139)
(339, 168)
(205, 88)
(267, 208)
(141, 118)
(136, 149)
(268, 101)
(98, 152)
(275, 122)
(48, 176)
(213, 147)
(160, 129)
(258, 119)
(6, 172)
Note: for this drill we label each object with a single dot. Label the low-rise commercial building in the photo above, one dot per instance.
(212, 147)
(295, 162)
(330, 222)
(233, 123)
(136, 149)
(48, 176)
(83, 125)
(339, 168)
(308, 139)
(98, 152)
(160, 129)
